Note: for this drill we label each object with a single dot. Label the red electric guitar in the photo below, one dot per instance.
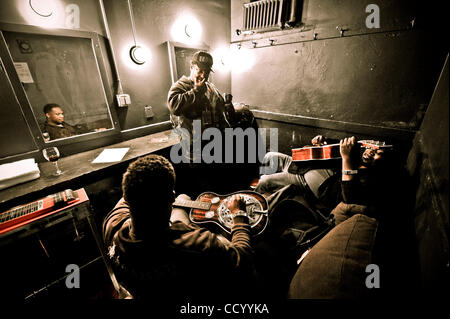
(210, 209)
(331, 151)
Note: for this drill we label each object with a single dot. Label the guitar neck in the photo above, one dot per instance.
(192, 204)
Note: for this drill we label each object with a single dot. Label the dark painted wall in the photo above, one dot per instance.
(147, 84)
(19, 12)
(383, 77)
(12, 121)
(150, 83)
(15, 133)
(428, 164)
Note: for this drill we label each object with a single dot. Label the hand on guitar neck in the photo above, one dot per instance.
(321, 150)
(348, 148)
(318, 140)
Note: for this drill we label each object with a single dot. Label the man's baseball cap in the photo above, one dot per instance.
(203, 59)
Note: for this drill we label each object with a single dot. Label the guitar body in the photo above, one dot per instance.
(316, 153)
(210, 210)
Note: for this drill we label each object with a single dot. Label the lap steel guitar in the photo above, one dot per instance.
(210, 208)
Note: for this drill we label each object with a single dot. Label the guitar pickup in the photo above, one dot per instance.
(63, 198)
(70, 195)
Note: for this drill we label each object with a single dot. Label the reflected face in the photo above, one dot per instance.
(198, 73)
(371, 157)
(55, 116)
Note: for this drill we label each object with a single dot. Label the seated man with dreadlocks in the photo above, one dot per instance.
(156, 252)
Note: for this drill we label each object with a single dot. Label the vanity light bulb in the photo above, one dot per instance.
(193, 30)
(43, 8)
(138, 55)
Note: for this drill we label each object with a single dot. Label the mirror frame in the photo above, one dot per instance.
(171, 46)
(21, 95)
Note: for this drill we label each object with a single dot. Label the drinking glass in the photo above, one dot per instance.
(51, 154)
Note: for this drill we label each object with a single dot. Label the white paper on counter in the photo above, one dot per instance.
(110, 155)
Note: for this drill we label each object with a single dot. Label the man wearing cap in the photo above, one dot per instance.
(194, 98)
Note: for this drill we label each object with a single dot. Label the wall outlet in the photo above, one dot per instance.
(123, 100)
(148, 112)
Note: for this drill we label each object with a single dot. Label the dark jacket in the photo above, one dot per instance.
(56, 131)
(183, 260)
(189, 103)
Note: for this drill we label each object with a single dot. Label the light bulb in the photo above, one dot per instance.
(138, 54)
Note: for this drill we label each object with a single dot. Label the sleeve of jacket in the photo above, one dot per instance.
(114, 221)
(352, 192)
(240, 240)
(236, 253)
(183, 101)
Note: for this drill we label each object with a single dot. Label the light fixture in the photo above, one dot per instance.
(186, 29)
(47, 14)
(242, 59)
(137, 54)
(222, 55)
(42, 8)
(193, 29)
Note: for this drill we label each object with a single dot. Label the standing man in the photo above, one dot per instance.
(193, 97)
(55, 125)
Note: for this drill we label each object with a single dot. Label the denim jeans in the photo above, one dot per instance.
(277, 165)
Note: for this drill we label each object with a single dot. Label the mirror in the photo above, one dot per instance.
(180, 56)
(61, 73)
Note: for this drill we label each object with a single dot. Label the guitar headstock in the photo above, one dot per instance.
(374, 144)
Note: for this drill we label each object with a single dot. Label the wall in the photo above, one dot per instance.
(147, 84)
(373, 78)
(150, 83)
(19, 12)
(428, 165)
(12, 120)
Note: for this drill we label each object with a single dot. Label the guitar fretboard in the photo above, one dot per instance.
(30, 208)
(193, 204)
(21, 211)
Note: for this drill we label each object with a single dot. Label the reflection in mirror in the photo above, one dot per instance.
(62, 81)
(180, 56)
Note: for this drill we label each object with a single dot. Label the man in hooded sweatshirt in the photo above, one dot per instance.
(155, 252)
(193, 97)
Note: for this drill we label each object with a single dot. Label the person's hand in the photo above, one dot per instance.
(178, 213)
(199, 83)
(349, 150)
(235, 204)
(347, 146)
(182, 197)
(318, 140)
